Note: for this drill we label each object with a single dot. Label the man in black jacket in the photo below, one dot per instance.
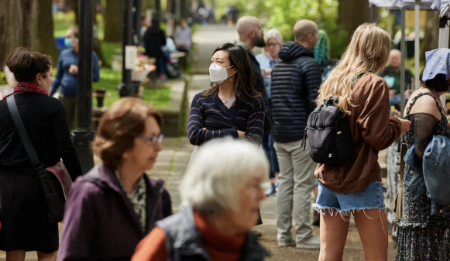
(295, 82)
(251, 35)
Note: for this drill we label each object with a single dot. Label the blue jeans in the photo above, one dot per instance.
(370, 198)
(271, 154)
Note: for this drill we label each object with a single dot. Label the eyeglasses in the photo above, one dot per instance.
(153, 139)
(272, 45)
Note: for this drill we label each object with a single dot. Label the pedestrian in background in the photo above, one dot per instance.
(322, 55)
(115, 205)
(295, 81)
(67, 76)
(267, 60)
(392, 75)
(221, 193)
(251, 35)
(424, 225)
(23, 210)
(183, 40)
(354, 188)
(154, 40)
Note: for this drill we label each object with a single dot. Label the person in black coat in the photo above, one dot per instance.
(25, 223)
(251, 35)
(295, 82)
(154, 40)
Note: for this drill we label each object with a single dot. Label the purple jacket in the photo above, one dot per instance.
(99, 221)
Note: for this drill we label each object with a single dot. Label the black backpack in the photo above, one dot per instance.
(329, 135)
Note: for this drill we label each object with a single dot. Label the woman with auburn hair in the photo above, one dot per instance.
(354, 188)
(23, 211)
(113, 207)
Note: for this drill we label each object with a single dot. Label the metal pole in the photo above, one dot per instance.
(402, 67)
(417, 45)
(137, 21)
(183, 7)
(82, 136)
(443, 43)
(125, 86)
(158, 9)
(372, 13)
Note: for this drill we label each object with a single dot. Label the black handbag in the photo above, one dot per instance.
(55, 188)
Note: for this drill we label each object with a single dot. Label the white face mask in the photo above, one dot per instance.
(218, 74)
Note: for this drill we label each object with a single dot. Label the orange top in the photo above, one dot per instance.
(219, 247)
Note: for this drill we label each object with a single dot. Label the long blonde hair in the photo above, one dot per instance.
(367, 52)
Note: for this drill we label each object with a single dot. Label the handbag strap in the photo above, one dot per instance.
(15, 115)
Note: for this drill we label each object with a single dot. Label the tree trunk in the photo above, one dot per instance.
(11, 29)
(114, 21)
(45, 25)
(351, 14)
(148, 4)
(97, 42)
(431, 38)
(73, 5)
(27, 22)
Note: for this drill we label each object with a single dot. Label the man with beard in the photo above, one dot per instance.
(251, 35)
(295, 81)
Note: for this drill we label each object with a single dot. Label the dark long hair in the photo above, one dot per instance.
(438, 83)
(245, 80)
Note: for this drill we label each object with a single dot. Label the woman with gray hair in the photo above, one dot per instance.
(221, 193)
(267, 60)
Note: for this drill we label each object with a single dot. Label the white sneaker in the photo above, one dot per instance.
(311, 243)
(286, 243)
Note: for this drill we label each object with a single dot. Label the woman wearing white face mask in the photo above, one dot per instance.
(231, 107)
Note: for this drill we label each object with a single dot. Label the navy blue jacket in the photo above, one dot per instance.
(68, 81)
(295, 81)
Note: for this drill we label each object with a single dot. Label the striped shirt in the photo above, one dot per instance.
(209, 119)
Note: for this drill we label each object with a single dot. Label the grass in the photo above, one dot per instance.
(110, 80)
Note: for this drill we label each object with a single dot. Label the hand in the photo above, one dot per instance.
(268, 72)
(405, 124)
(73, 69)
(241, 134)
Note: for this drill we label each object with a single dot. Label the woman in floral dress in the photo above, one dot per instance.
(422, 236)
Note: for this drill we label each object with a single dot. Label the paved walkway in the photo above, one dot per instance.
(174, 158)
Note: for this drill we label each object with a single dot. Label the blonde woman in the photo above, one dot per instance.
(355, 187)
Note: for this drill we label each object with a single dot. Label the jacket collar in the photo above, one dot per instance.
(250, 52)
(188, 240)
(292, 50)
(108, 176)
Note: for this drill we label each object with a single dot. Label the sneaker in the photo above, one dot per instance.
(286, 243)
(311, 243)
(271, 191)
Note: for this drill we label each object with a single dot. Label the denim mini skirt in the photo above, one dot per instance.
(370, 198)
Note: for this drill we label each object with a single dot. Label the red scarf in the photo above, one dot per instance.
(24, 87)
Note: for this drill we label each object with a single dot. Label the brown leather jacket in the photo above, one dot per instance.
(371, 120)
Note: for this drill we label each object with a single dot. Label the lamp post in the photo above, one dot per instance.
(125, 88)
(131, 36)
(82, 136)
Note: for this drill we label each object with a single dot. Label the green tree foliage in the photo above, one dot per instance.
(283, 14)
